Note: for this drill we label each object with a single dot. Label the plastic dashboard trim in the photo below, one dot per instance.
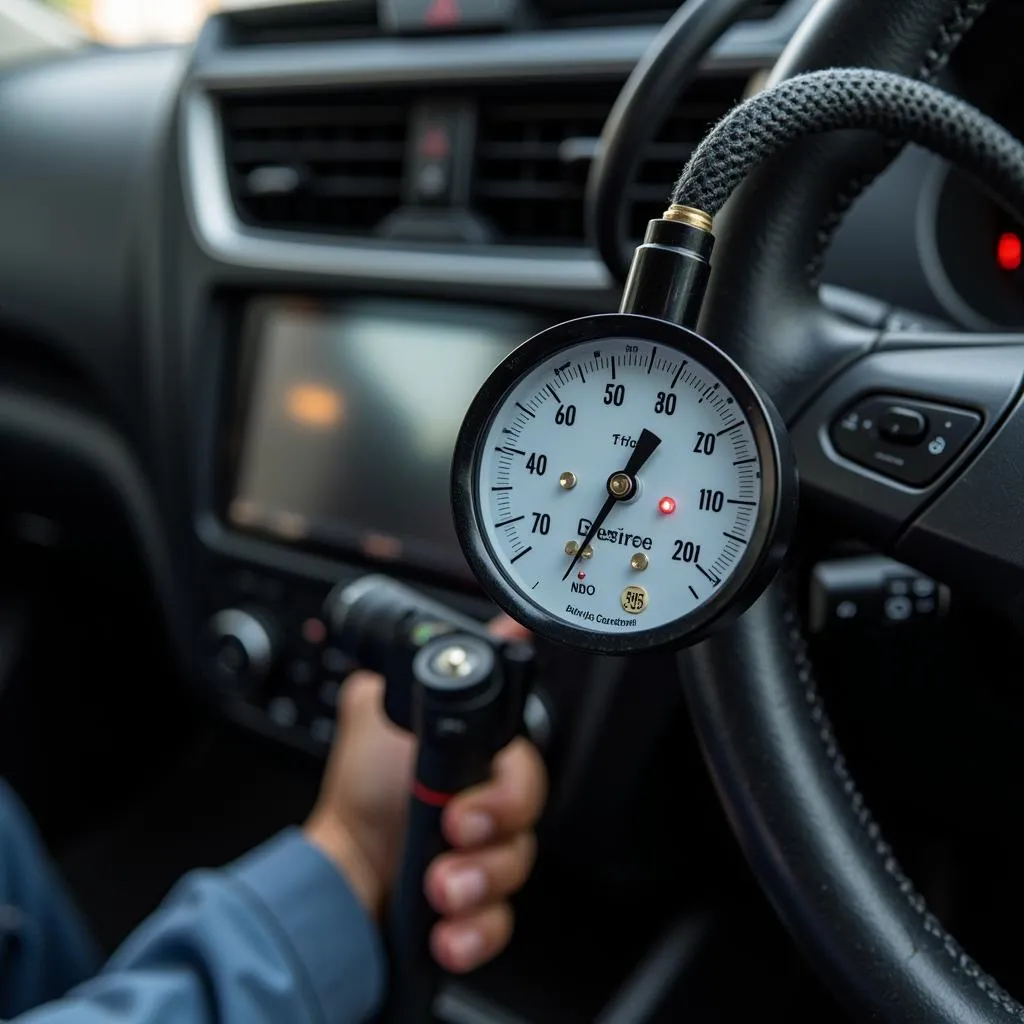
(594, 52)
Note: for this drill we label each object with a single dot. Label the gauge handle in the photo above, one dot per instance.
(415, 975)
(467, 705)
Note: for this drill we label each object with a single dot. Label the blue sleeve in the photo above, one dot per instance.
(278, 938)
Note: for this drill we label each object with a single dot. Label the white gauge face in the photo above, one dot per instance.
(641, 440)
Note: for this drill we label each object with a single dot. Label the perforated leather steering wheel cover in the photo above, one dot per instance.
(768, 742)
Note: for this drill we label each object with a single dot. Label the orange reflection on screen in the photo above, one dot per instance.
(382, 546)
(290, 525)
(315, 405)
(243, 513)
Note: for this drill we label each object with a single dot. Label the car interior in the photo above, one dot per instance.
(250, 285)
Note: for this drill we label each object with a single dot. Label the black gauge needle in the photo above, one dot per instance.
(645, 448)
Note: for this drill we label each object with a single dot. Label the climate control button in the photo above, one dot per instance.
(240, 648)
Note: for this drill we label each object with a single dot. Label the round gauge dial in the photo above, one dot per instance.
(619, 484)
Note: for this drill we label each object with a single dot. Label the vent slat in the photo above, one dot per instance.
(334, 161)
(245, 151)
(534, 153)
(323, 117)
(530, 191)
(580, 13)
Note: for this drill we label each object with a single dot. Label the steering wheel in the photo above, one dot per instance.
(766, 737)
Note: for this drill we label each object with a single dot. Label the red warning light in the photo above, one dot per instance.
(1010, 251)
(443, 14)
(314, 632)
(667, 506)
(435, 145)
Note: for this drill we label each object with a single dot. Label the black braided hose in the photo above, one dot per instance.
(898, 108)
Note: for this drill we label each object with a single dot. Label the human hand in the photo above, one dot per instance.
(359, 822)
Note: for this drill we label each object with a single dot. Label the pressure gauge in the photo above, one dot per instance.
(620, 485)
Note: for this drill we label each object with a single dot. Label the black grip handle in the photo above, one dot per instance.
(415, 975)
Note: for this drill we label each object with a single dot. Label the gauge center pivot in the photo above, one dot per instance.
(621, 486)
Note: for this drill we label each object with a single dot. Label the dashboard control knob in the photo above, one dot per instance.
(240, 647)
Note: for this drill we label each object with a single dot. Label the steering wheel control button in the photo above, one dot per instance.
(872, 591)
(900, 425)
(906, 440)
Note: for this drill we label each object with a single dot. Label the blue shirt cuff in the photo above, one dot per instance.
(335, 943)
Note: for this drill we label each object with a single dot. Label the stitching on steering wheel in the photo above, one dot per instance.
(931, 924)
(947, 39)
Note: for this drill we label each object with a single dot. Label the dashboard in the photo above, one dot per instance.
(274, 268)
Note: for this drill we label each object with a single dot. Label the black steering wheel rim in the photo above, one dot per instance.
(789, 795)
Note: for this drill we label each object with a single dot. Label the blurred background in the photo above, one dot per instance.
(30, 24)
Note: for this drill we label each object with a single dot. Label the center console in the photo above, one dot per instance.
(332, 427)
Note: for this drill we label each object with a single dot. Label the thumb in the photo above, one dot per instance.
(361, 701)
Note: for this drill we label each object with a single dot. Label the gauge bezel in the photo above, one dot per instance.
(776, 514)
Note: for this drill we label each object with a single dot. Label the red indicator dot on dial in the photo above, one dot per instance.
(581, 575)
(667, 506)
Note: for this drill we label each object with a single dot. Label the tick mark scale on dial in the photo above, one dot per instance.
(613, 367)
(508, 522)
(732, 536)
(744, 462)
(554, 394)
(501, 488)
(563, 367)
(696, 596)
(650, 365)
(510, 451)
(734, 426)
(579, 368)
(713, 580)
(522, 554)
(735, 501)
(532, 415)
(682, 366)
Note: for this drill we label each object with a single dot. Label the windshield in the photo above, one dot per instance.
(138, 22)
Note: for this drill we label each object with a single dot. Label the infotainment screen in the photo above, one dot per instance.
(349, 416)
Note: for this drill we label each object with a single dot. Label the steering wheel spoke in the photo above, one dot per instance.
(916, 447)
(934, 480)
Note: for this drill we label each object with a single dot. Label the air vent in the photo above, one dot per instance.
(302, 23)
(579, 13)
(315, 161)
(534, 153)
